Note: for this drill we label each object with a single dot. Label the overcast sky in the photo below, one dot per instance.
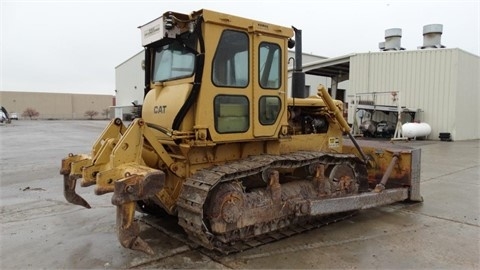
(74, 46)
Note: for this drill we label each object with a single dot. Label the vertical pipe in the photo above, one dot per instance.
(298, 49)
(298, 76)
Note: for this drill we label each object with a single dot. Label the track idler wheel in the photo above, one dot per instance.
(126, 193)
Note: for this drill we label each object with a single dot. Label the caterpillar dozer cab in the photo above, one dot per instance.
(223, 146)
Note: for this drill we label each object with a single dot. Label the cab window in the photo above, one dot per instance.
(269, 109)
(173, 61)
(230, 63)
(269, 65)
(231, 113)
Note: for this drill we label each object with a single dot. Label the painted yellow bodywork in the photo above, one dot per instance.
(149, 144)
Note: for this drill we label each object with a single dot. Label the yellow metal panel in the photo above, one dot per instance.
(246, 24)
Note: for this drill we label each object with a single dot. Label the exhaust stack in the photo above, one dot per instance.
(298, 77)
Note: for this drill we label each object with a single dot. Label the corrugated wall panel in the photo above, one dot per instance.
(467, 120)
(423, 77)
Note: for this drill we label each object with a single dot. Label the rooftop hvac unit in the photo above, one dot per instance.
(393, 37)
(432, 36)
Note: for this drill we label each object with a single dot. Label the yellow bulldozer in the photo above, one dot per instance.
(224, 144)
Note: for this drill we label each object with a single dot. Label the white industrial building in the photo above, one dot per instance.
(432, 84)
(441, 85)
(129, 84)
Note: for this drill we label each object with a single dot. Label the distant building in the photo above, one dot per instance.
(441, 85)
(57, 105)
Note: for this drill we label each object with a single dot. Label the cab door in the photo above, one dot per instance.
(268, 85)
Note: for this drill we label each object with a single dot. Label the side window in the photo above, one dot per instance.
(230, 63)
(269, 109)
(231, 114)
(173, 61)
(269, 65)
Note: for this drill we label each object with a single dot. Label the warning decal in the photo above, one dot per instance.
(333, 142)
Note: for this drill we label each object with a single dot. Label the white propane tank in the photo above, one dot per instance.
(412, 130)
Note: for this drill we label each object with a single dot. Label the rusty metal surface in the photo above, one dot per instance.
(127, 192)
(415, 195)
(381, 186)
(69, 183)
(137, 187)
(263, 210)
(229, 214)
(405, 171)
(382, 144)
(357, 202)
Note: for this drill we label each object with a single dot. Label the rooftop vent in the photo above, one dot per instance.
(381, 45)
(432, 36)
(393, 38)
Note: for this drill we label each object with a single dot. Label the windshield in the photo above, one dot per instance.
(173, 61)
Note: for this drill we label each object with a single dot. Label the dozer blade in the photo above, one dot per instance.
(126, 192)
(69, 183)
(356, 202)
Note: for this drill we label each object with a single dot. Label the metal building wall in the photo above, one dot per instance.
(130, 81)
(467, 114)
(55, 105)
(436, 81)
(312, 81)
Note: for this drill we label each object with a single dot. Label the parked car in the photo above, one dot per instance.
(13, 116)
